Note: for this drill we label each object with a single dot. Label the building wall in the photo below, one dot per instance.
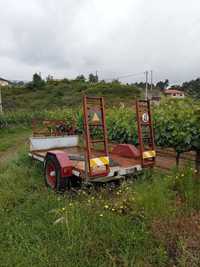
(177, 95)
(3, 83)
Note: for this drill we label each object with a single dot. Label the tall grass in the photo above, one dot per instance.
(104, 227)
(90, 235)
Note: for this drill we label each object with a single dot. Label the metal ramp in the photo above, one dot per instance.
(145, 133)
(95, 137)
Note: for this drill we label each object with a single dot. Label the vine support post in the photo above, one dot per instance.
(178, 154)
(197, 161)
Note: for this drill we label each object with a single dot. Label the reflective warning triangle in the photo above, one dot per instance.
(95, 118)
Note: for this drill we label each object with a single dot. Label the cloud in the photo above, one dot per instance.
(115, 37)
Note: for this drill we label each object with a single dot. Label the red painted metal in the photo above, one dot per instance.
(95, 104)
(51, 174)
(64, 161)
(126, 150)
(145, 131)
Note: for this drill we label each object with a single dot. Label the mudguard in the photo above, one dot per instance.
(64, 162)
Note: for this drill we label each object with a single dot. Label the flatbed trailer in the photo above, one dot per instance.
(65, 159)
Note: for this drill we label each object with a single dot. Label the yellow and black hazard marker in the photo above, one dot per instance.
(149, 154)
(97, 162)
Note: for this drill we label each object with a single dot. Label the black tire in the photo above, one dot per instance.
(59, 184)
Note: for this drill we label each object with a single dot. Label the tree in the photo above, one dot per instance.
(93, 78)
(192, 88)
(49, 78)
(37, 81)
(116, 81)
(163, 84)
(80, 78)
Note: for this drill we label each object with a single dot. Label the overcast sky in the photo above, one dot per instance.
(115, 37)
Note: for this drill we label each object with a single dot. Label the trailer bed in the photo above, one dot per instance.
(78, 152)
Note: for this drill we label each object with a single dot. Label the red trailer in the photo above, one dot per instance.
(67, 156)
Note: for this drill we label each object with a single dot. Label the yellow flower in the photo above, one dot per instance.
(70, 204)
(106, 206)
(101, 215)
(113, 209)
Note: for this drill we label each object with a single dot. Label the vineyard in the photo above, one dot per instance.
(176, 124)
(152, 220)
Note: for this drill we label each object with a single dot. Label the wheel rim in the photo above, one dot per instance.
(51, 174)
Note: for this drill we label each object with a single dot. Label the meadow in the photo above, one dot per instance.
(149, 220)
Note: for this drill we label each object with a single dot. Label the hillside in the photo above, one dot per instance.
(66, 93)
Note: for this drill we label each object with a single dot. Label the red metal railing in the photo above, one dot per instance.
(145, 133)
(94, 106)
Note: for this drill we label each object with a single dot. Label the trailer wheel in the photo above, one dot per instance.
(52, 174)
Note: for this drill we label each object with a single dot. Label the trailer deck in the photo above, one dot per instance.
(119, 165)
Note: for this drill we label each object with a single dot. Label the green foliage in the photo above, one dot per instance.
(176, 122)
(65, 93)
(121, 125)
(36, 83)
(108, 227)
(192, 88)
(187, 188)
(81, 78)
(162, 85)
(176, 125)
(93, 78)
(29, 226)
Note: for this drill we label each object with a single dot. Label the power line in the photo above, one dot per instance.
(124, 76)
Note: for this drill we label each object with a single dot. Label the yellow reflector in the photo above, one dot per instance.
(149, 154)
(95, 118)
(101, 161)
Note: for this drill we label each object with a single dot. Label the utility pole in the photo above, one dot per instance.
(146, 89)
(96, 75)
(1, 105)
(151, 80)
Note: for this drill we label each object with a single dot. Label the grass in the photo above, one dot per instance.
(136, 224)
(91, 235)
(11, 137)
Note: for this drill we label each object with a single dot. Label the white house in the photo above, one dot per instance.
(174, 93)
(4, 82)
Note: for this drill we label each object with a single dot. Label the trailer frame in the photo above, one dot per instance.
(64, 160)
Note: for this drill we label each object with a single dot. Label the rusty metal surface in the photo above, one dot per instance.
(51, 128)
(145, 131)
(95, 106)
(120, 161)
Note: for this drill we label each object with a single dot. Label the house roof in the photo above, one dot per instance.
(172, 91)
(4, 80)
